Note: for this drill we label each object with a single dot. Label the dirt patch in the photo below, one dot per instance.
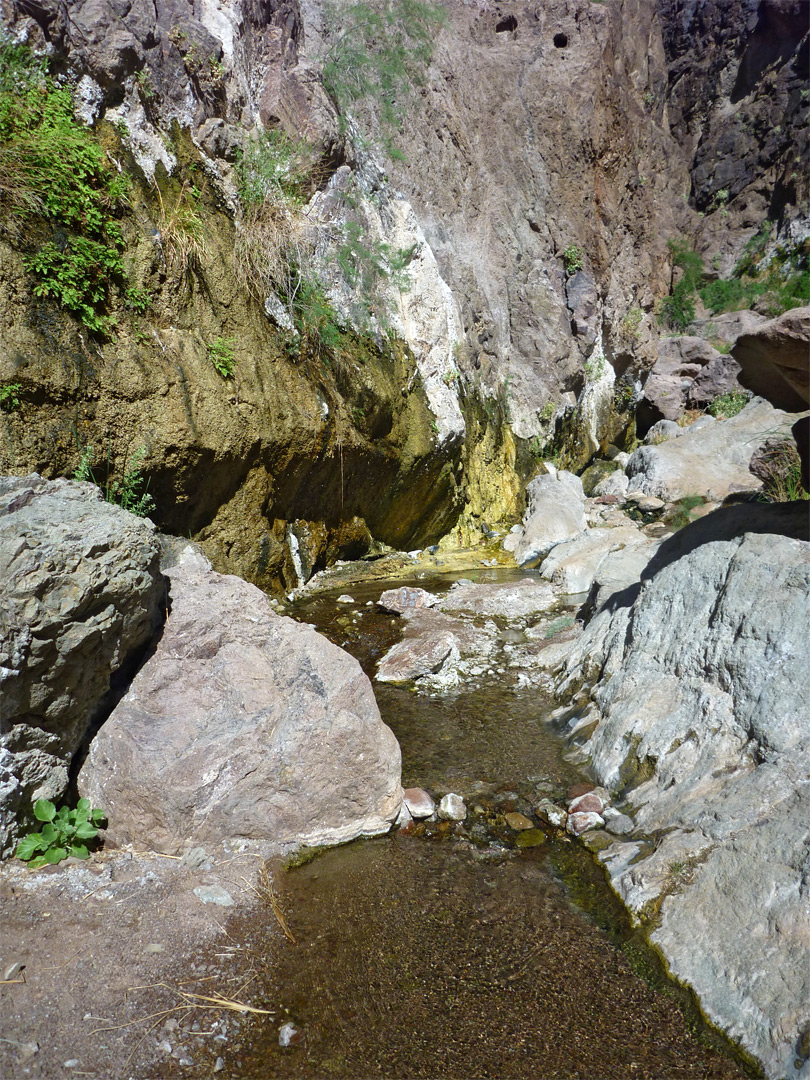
(114, 950)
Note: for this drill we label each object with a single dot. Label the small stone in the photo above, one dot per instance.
(345, 599)
(649, 504)
(452, 808)
(154, 947)
(289, 1035)
(13, 970)
(419, 802)
(27, 1050)
(71, 1064)
(214, 894)
(586, 803)
(219, 1065)
(518, 822)
(197, 858)
(548, 811)
(581, 822)
(165, 1046)
(616, 823)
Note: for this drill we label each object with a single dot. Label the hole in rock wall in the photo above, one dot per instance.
(560, 41)
(506, 25)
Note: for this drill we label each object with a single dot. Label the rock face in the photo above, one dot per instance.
(710, 460)
(81, 594)
(702, 722)
(242, 724)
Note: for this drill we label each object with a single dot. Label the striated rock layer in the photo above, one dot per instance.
(242, 725)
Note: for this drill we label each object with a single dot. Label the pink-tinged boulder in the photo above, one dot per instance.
(242, 724)
(580, 822)
(419, 802)
(590, 803)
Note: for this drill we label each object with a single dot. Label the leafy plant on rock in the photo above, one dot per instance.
(573, 257)
(220, 353)
(64, 832)
(127, 492)
(54, 169)
(728, 405)
(9, 396)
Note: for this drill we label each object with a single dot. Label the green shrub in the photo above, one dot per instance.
(53, 168)
(376, 53)
(63, 833)
(678, 309)
(573, 257)
(728, 405)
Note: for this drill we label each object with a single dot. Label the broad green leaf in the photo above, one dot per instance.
(55, 854)
(63, 815)
(40, 860)
(83, 804)
(28, 847)
(44, 810)
(49, 833)
(79, 851)
(98, 817)
(86, 831)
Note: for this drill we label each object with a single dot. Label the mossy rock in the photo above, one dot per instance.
(597, 472)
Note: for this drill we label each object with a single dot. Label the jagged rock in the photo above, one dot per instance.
(555, 511)
(720, 376)
(433, 644)
(82, 592)
(243, 724)
(775, 360)
(405, 599)
(516, 600)
(573, 566)
(680, 360)
(701, 708)
(452, 808)
(663, 431)
(711, 460)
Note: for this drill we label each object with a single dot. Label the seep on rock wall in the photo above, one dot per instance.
(546, 156)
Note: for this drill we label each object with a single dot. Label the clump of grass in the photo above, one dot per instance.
(181, 228)
(779, 468)
(681, 514)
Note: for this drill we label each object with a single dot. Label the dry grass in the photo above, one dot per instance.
(271, 246)
(181, 228)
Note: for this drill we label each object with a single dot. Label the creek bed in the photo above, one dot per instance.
(447, 953)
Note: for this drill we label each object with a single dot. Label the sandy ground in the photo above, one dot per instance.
(109, 948)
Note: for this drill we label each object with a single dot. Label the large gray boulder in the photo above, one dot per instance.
(711, 459)
(775, 359)
(81, 594)
(242, 725)
(555, 511)
(695, 684)
(680, 361)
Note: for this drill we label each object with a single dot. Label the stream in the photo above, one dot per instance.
(449, 952)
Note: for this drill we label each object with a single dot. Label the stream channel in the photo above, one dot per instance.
(449, 952)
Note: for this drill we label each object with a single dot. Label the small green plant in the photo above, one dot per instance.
(220, 353)
(573, 257)
(64, 832)
(631, 324)
(9, 397)
(126, 492)
(728, 405)
(557, 626)
(137, 300)
(678, 309)
(548, 411)
(77, 274)
(681, 514)
(143, 81)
